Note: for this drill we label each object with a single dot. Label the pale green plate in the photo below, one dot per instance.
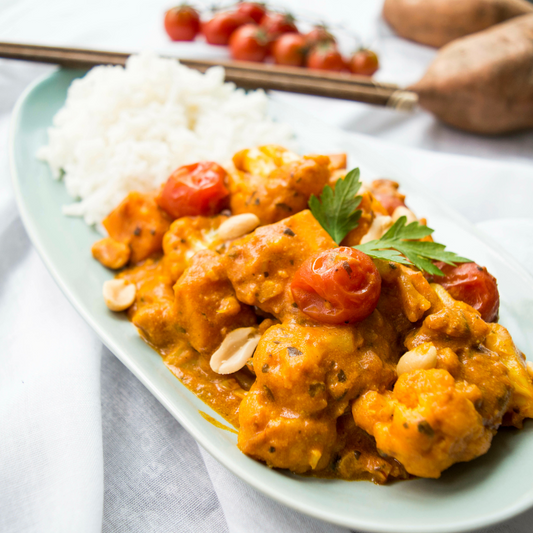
(468, 496)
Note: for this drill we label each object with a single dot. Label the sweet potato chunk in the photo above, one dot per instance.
(274, 183)
(153, 312)
(186, 236)
(261, 265)
(438, 22)
(306, 377)
(138, 222)
(337, 161)
(206, 305)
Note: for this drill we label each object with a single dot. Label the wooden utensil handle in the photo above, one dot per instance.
(243, 74)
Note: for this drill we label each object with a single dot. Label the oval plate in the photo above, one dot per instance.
(468, 496)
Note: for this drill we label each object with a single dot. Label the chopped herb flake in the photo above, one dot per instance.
(293, 352)
(289, 232)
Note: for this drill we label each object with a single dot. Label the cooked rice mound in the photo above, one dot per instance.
(124, 129)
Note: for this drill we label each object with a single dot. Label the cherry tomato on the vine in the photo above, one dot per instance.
(326, 56)
(338, 286)
(253, 10)
(182, 23)
(473, 285)
(319, 34)
(364, 63)
(194, 190)
(290, 49)
(249, 43)
(219, 29)
(275, 24)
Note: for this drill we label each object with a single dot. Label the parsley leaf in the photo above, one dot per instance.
(336, 210)
(398, 245)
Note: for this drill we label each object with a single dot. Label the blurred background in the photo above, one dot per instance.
(138, 25)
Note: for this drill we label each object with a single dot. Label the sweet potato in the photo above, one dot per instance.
(483, 83)
(438, 22)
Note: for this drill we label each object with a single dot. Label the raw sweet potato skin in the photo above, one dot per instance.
(483, 83)
(438, 22)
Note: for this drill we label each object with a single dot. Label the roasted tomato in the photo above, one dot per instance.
(253, 10)
(290, 49)
(219, 29)
(194, 190)
(275, 24)
(326, 56)
(182, 23)
(364, 62)
(339, 286)
(319, 34)
(249, 43)
(473, 285)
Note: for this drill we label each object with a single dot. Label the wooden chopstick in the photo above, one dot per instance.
(244, 74)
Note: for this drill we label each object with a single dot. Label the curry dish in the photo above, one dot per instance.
(412, 378)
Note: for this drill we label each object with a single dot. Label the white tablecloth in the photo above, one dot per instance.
(84, 447)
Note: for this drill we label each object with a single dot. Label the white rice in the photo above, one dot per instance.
(124, 129)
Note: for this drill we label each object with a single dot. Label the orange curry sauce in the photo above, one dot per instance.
(316, 399)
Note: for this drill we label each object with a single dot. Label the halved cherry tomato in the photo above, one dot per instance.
(275, 24)
(219, 29)
(338, 286)
(253, 10)
(364, 63)
(472, 284)
(326, 56)
(290, 49)
(182, 23)
(249, 43)
(319, 34)
(194, 190)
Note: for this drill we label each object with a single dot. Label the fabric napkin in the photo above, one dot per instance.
(84, 446)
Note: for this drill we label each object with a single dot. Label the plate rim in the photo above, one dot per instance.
(369, 525)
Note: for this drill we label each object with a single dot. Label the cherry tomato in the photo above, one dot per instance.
(290, 49)
(219, 29)
(319, 34)
(338, 286)
(253, 10)
(473, 285)
(249, 43)
(325, 56)
(275, 24)
(194, 190)
(364, 63)
(182, 23)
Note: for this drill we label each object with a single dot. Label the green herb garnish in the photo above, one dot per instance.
(336, 211)
(337, 214)
(399, 245)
